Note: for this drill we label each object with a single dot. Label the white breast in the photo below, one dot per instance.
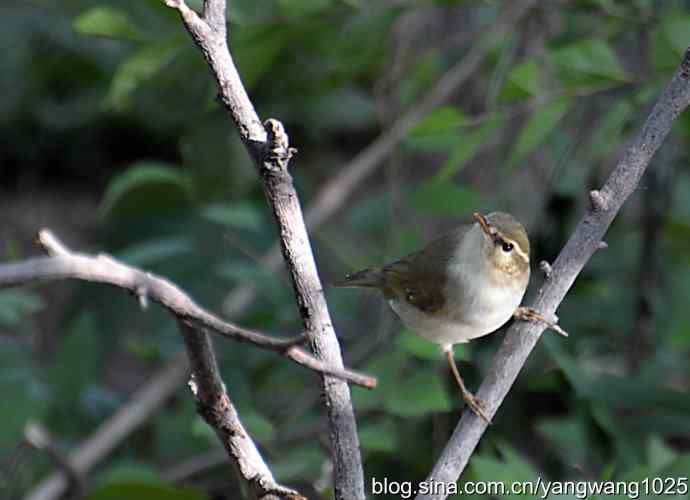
(490, 307)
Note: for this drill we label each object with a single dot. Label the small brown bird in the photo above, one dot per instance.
(461, 286)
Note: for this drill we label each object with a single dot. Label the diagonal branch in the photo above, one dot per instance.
(215, 407)
(63, 264)
(522, 337)
(207, 386)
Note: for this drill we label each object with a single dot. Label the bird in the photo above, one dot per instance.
(463, 285)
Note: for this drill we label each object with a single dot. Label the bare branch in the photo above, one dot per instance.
(105, 269)
(584, 242)
(215, 407)
(270, 151)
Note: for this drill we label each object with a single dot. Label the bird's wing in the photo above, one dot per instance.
(420, 277)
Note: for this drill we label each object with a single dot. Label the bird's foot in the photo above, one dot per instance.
(476, 406)
(529, 314)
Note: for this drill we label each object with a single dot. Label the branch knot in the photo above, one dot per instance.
(278, 146)
(598, 200)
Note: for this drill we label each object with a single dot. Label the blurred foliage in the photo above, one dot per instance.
(112, 98)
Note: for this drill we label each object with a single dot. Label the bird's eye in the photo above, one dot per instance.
(507, 247)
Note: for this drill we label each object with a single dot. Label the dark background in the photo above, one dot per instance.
(111, 137)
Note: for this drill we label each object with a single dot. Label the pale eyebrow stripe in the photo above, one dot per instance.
(519, 250)
(516, 247)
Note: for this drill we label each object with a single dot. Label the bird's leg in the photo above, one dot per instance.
(472, 402)
(529, 314)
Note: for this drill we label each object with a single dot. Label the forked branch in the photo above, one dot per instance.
(62, 263)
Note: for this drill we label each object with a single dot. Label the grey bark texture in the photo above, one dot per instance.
(584, 242)
(271, 153)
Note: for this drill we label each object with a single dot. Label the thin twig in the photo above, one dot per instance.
(584, 242)
(104, 269)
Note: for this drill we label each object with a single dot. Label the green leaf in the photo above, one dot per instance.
(659, 454)
(71, 370)
(142, 491)
(129, 472)
(537, 128)
(675, 28)
(416, 345)
(135, 69)
(157, 250)
(299, 8)
(466, 147)
(587, 63)
(420, 76)
(258, 426)
(342, 110)
(378, 436)
(298, 462)
(664, 51)
(608, 134)
(423, 349)
(437, 132)
(512, 468)
(16, 304)
(24, 397)
(387, 367)
(256, 49)
(523, 81)
(250, 12)
(146, 187)
(238, 215)
(443, 120)
(107, 22)
(418, 394)
(568, 436)
(444, 198)
(679, 467)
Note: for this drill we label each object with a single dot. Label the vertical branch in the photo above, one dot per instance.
(271, 153)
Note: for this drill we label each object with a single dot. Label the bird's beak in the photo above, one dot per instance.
(484, 224)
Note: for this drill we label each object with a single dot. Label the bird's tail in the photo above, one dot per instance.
(368, 278)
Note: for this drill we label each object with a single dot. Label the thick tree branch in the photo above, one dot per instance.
(584, 242)
(65, 264)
